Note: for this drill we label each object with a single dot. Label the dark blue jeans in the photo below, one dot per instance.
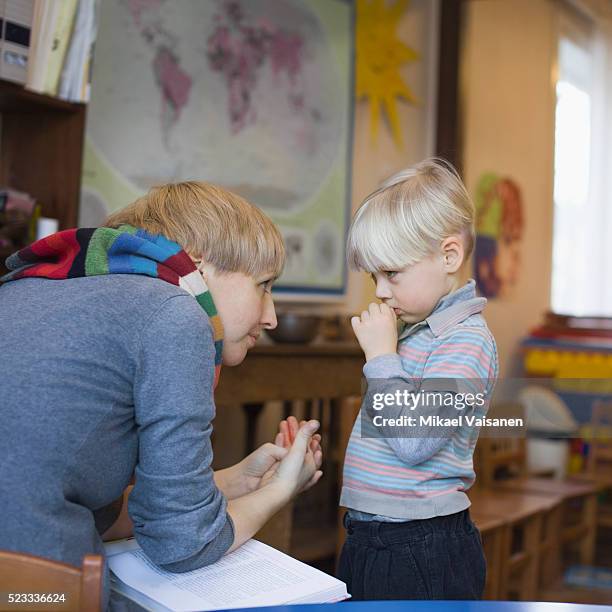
(437, 558)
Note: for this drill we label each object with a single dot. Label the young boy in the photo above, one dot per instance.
(409, 531)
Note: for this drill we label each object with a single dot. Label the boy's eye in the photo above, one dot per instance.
(266, 286)
(387, 273)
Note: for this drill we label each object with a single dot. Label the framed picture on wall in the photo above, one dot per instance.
(253, 95)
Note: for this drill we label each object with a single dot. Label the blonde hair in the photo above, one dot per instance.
(408, 216)
(209, 222)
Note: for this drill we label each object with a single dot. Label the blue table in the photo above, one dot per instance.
(438, 606)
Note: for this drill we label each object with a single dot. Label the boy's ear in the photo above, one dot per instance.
(452, 254)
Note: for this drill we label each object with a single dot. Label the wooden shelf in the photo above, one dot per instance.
(41, 150)
(15, 98)
(604, 517)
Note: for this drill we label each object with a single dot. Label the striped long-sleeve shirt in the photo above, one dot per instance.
(427, 469)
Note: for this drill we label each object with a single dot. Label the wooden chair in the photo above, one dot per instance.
(349, 410)
(492, 530)
(599, 465)
(277, 531)
(599, 462)
(578, 520)
(305, 528)
(598, 472)
(502, 464)
(598, 468)
(81, 588)
(524, 541)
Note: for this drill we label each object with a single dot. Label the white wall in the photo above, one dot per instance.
(507, 108)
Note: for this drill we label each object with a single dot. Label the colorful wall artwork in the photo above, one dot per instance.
(499, 231)
(254, 95)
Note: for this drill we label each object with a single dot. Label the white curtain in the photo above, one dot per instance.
(600, 188)
(582, 257)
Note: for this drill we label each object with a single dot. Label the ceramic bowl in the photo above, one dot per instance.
(295, 328)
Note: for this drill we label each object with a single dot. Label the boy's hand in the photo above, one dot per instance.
(376, 330)
(288, 431)
(259, 468)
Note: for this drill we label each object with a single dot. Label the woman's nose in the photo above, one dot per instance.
(268, 315)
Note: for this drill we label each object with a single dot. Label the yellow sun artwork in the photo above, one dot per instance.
(380, 55)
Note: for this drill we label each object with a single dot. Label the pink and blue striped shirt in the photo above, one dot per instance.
(424, 474)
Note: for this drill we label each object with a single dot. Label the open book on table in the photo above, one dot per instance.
(253, 575)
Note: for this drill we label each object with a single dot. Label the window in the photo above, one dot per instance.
(582, 262)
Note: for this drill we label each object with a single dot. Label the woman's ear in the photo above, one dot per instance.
(205, 270)
(202, 267)
(452, 254)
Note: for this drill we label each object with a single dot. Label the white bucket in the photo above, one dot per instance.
(548, 455)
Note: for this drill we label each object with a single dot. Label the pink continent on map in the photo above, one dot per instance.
(286, 53)
(175, 84)
(238, 51)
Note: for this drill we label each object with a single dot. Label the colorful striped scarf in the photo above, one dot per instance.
(127, 250)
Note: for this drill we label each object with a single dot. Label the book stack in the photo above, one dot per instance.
(19, 214)
(61, 49)
(11, 199)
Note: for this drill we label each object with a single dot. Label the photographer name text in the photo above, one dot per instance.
(432, 420)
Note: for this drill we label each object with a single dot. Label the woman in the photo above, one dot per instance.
(112, 344)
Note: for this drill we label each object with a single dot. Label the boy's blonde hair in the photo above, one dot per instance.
(209, 222)
(408, 216)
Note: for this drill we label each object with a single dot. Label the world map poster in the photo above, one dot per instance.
(253, 95)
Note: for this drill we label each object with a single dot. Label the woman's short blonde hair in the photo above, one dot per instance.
(408, 217)
(209, 222)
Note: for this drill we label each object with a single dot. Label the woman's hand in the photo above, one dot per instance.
(257, 468)
(376, 330)
(299, 470)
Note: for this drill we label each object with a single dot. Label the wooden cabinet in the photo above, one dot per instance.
(41, 149)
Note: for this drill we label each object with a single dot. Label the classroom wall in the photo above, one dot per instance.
(507, 123)
(372, 162)
(375, 161)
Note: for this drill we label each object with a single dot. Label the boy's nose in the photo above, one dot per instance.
(382, 291)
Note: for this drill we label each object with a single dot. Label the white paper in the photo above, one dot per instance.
(253, 575)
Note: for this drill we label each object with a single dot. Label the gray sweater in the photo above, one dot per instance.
(101, 377)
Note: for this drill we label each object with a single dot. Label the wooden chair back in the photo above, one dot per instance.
(349, 411)
(497, 459)
(312, 513)
(80, 589)
(277, 531)
(600, 450)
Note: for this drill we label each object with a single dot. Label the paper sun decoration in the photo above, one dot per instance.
(380, 55)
